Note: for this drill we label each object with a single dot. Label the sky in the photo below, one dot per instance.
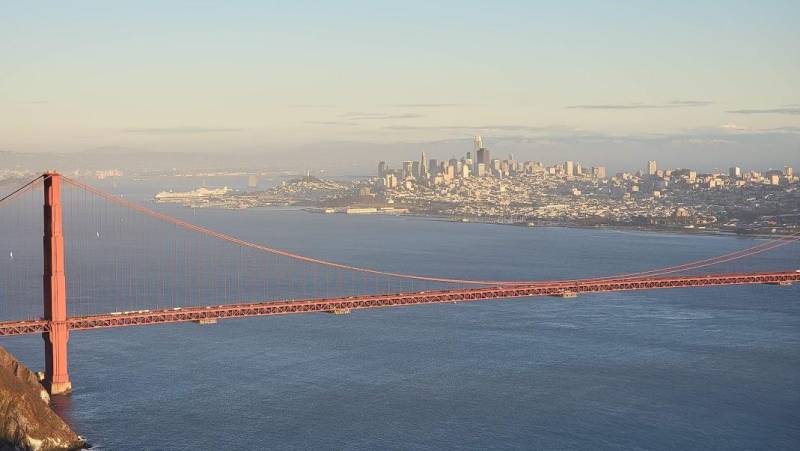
(712, 82)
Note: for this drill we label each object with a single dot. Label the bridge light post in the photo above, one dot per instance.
(56, 377)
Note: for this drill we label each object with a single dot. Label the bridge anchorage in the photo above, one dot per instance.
(367, 288)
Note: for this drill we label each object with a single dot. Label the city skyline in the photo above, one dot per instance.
(681, 82)
(479, 163)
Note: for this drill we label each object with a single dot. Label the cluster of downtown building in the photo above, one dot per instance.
(478, 163)
(433, 172)
(481, 187)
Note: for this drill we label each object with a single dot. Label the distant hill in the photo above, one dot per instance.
(714, 151)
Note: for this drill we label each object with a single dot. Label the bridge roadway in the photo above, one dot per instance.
(343, 304)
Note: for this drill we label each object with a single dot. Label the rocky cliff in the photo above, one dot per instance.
(26, 420)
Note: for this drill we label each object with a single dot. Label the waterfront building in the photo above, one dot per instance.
(252, 181)
(203, 192)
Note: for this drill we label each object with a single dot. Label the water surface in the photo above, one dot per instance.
(711, 368)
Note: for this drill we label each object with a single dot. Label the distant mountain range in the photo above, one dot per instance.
(121, 158)
(704, 152)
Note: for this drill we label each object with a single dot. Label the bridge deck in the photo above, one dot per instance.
(286, 307)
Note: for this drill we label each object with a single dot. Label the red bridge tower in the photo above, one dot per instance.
(55, 291)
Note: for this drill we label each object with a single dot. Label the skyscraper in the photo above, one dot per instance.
(390, 181)
(449, 172)
(569, 167)
(735, 172)
(408, 168)
(478, 143)
(423, 167)
(453, 162)
(651, 167)
(483, 158)
(381, 169)
(599, 172)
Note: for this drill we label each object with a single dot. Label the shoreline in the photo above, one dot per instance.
(618, 228)
(493, 221)
(615, 227)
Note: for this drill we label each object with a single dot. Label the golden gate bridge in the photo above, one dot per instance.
(149, 267)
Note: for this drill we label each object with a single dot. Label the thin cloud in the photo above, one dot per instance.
(429, 105)
(792, 111)
(331, 123)
(357, 116)
(732, 126)
(321, 105)
(507, 127)
(182, 130)
(643, 106)
(352, 114)
(632, 106)
(678, 103)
